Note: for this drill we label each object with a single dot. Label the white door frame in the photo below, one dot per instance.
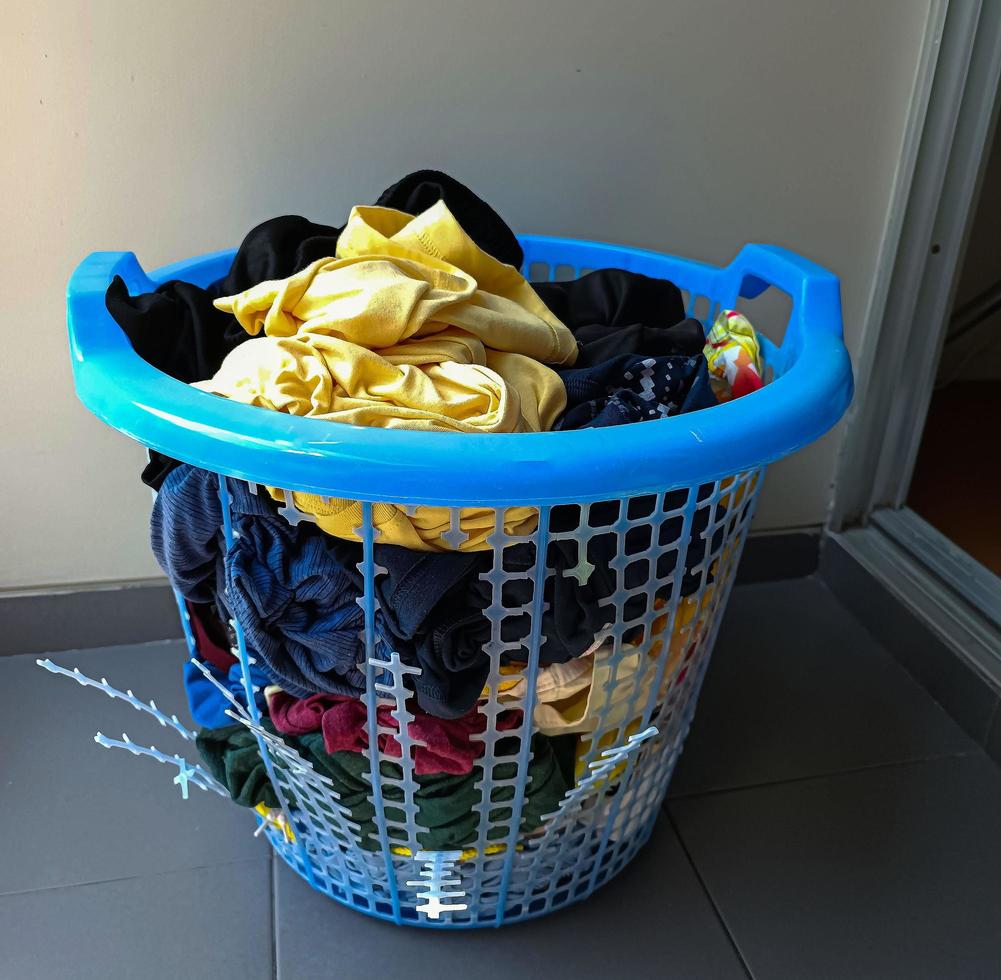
(950, 127)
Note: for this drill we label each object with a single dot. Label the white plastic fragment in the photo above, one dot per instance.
(435, 886)
(193, 773)
(149, 708)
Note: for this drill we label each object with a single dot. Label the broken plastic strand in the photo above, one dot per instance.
(150, 708)
(193, 773)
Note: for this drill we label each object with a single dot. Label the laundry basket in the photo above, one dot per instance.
(647, 520)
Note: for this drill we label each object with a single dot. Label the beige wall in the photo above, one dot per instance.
(171, 128)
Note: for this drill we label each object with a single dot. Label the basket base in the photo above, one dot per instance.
(515, 913)
(548, 873)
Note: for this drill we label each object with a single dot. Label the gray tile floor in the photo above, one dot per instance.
(827, 820)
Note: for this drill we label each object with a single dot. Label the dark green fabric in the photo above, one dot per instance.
(231, 755)
(546, 787)
(444, 802)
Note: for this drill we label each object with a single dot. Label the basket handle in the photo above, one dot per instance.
(93, 330)
(91, 327)
(815, 294)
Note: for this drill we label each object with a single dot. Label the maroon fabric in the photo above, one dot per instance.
(208, 633)
(449, 746)
(300, 716)
(345, 727)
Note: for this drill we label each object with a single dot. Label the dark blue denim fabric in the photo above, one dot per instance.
(298, 607)
(185, 531)
(416, 581)
(208, 704)
(288, 586)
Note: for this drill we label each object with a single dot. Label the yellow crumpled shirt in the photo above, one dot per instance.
(448, 383)
(396, 277)
(411, 326)
(591, 691)
(601, 695)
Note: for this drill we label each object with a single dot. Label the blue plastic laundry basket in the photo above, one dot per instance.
(681, 489)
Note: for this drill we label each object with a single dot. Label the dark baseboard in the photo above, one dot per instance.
(970, 697)
(787, 554)
(47, 622)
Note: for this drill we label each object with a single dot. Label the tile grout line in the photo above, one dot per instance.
(846, 606)
(272, 873)
(120, 878)
(769, 784)
(709, 898)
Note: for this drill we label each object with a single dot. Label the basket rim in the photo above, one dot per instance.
(811, 389)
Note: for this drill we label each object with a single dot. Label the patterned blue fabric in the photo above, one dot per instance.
(633, 388)
(208, 704)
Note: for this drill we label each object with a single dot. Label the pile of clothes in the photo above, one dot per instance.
(415, 315)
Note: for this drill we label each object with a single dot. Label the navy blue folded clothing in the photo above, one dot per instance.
(421, 596)
(185, 531)
(288, 587)
(416, 582)
(298, 607)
